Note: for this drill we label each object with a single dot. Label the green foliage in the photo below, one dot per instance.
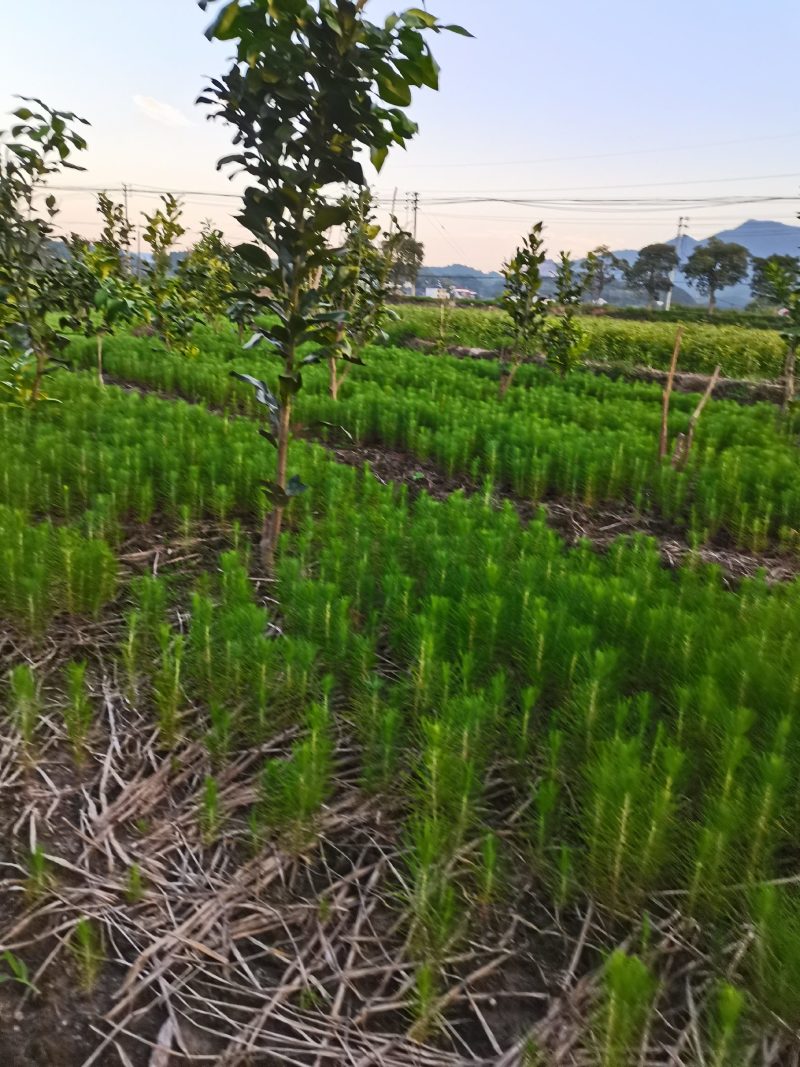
(405, 257)
(171, 307)
(774, 277)
(39, 878)
(715, 265)
(17, 972)
(743, 353)
(599, 269)
(358, 285)
(210, 816)
(775, 957)
(522, 299)
(25, 704)
(564, 339)
(32, 285)
(307, 93)
(86, 944)
(726, 1026)
(628, 991)
(651, 272)
(78, 713)
(135, 884)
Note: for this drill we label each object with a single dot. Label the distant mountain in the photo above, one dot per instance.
(488, 285)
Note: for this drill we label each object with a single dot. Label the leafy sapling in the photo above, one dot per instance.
(313, 86)
(565, 340)
(33, 284)
(523, 302)
(105, 296)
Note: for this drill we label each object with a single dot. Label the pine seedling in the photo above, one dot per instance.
(210, 818)
(219, 736)
(425, 998)
(488, 870)
(26, 704)
(86, 944)
(627, 998)
(131, 652)
(726, 1025)
(38, 880)
(775, 957)
(17, 972)
(78, 714)
(134, 884)
(167, 686)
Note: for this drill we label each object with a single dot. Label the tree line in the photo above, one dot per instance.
(711, 267)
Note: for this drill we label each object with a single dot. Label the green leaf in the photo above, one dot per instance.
(223, 28)
(393, 89)
(332, 215)
(255, 256)
(378, 157)
(424, 17)
(459, 30)
(290, 384)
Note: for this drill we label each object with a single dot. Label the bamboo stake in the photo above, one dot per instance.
(683, 445)
(664, 440)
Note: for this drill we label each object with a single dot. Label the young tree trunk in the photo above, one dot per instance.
(507, 380)
(100, 359)
(789, 377)
(712, 302)
(333, 384)
(41, 360)
(273, 520)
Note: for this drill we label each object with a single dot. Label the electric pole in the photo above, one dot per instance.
(415, 203)
(683, 226)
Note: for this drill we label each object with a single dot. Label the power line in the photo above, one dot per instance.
(605, 155)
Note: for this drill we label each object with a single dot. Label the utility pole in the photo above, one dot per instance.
(415, 203)
(683, 226)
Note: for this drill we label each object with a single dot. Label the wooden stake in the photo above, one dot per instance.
(683, 445)
(664, 441)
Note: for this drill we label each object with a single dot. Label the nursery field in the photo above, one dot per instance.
(742, 352)
(468, 778)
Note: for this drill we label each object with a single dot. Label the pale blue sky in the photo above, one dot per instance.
(626, 99)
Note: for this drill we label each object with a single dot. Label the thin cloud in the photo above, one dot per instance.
(158, 111)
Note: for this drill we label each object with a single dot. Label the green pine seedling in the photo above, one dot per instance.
(628, 992)
(26, 705)
(39, 877)
(135, 884)
(86, 945)
(18, 971)
(78, 715)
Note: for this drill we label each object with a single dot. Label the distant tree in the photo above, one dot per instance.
(358, 284)
(173, 310)
(600, 268)
(651, 272)
(715, 265)
(207, 272)
(771, 277)
(523, 302)
(104, 294)
(406, 257)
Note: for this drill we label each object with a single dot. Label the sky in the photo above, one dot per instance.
(629, 113)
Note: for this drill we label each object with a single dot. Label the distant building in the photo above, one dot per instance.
(464, 294)
(437, 293)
